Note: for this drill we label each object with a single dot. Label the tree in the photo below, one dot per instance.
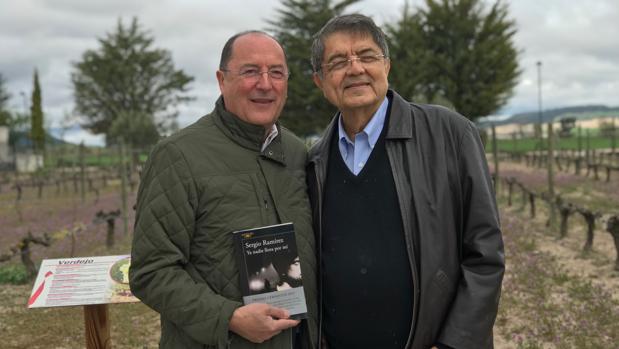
(5, 96)
(37, 131)
(127, 75)
(136, 129)
(18, 123)
(306, 111)
(466, 55)
(5, 117)
(405, 39)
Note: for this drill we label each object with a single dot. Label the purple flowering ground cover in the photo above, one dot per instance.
(58, 214)
(554, 294)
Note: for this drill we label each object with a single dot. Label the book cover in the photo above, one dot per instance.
(270, 269)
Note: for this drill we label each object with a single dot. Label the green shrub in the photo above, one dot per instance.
(13, 274)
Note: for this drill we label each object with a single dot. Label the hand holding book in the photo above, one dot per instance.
(259, 322)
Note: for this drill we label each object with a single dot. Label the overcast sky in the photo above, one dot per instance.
(576, 41)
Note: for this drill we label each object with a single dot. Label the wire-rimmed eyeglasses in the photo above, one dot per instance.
(341, 63)
(254, 74)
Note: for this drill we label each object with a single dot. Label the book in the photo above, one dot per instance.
(270, 268)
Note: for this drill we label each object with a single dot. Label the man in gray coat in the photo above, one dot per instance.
(410, 249)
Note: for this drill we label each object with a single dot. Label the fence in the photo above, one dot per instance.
(566, 209)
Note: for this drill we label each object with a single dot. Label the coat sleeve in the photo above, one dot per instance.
(160, 265)
(472, 314)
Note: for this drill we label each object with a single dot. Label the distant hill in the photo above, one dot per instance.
(578, 112)
(21, 139)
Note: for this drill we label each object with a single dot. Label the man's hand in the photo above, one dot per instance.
(259, 322)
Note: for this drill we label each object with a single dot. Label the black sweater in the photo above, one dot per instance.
(368, 288)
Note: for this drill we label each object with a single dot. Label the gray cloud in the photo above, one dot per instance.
(575, 43)
(574, 40)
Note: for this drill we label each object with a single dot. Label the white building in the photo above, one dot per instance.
(4, 145)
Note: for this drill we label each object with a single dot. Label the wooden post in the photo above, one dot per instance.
(532, 203)
(24, 251)
(540, 139)
(579, 141)
(587, 150)
(596, 176)
(63, 172)
(495, 155)
(589, 217)
(612, 226)
(524, 196)
(551, 176)
(73, 243)
(613, 138)
(18, 188)
(82, 155)
(565, 209)
(131, 156)
(123, 187)
(510, 186)
(75, 185)
(40, 184)
(515, 143)
(97, 326)
(109, 218)
(99, 158)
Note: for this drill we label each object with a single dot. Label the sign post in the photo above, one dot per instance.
(97, 326)
(92, 282)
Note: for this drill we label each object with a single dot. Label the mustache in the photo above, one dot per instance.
(356, 81)
(263, 96)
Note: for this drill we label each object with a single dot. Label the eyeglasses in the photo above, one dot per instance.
(343, 63)
(254, 74)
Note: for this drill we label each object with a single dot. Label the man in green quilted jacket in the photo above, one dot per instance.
(235, 168)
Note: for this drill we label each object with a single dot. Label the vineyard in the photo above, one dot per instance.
(560, 220)
(561, 246)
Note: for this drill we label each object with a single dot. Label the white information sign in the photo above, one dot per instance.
(82, 281)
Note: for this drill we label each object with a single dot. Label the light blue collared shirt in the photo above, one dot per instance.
(356, 154)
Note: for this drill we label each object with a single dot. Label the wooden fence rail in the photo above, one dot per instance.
(607, 163)
(23, 246)
(566, 209)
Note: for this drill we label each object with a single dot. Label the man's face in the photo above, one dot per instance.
(256, 100)
(357, 86)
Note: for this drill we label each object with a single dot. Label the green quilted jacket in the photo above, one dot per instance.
(197, 187)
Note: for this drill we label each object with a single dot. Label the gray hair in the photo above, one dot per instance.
(226, 53)
(352, 24)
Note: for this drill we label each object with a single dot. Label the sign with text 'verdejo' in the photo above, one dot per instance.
(82, 281)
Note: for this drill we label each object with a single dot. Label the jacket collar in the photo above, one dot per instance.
(400, 125)
(247, 135)
(400, 118)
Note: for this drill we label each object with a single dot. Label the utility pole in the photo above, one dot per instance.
(25, 101)
(539, 111)
(551, 176)
(539, 95)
